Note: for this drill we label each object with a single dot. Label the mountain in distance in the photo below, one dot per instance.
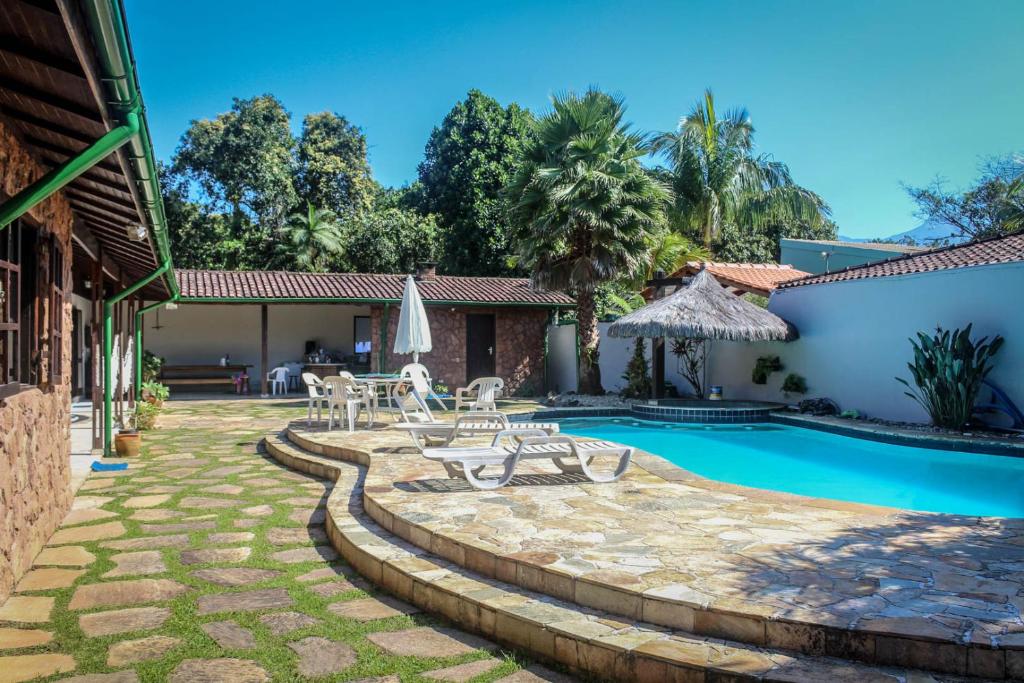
(929, 233)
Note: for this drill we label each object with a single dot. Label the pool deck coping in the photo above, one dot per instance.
(737, 619)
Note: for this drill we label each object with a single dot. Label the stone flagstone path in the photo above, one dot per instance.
(206, 561)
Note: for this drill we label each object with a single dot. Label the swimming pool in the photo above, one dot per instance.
(824, 465)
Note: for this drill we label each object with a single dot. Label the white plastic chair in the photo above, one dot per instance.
(481, 394)
(420, 377)
(349, 398)
(278, 378)
(317, 395)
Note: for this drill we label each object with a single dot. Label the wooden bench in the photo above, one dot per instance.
(201, 375)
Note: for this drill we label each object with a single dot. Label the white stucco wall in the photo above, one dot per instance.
(203, 333)
(614, 357)
(854, 338)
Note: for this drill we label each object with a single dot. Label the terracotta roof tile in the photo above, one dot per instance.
(286, 285)
(758, 278)
(1004, 249)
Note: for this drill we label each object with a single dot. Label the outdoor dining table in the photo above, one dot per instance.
(384, 385)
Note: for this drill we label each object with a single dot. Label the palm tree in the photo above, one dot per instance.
(583, 208)
(717, 178)
(311, 239)
(667, 251)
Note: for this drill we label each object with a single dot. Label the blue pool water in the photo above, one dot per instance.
(824, 465)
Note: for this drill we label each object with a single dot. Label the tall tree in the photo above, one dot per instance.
(992, 206)
(242, 161)
(312, 241)
(718, 181)
(333, 171)
(389, 239)
(469, 158)
(584, 208)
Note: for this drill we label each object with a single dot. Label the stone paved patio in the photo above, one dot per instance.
(207, 561)
(673, 549)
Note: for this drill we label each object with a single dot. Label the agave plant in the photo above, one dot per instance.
(949, 369)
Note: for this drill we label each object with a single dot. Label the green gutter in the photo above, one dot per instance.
(56, 179)
(110, 37)
(138, 341)
(357, 300)
(108, 351)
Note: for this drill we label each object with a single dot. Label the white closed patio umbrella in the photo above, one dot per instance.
(413, 334)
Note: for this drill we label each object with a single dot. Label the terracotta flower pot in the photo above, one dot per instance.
(127, 444)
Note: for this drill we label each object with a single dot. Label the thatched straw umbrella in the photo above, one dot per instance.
(703, 310)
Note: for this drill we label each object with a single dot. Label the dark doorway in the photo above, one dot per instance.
(76, 352)
(479, 346)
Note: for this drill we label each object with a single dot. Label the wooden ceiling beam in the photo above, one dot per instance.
(11, 45)
(49, 99)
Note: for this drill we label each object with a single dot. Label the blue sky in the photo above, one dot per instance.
(856, 97)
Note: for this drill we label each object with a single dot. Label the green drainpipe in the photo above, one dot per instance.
(138, 341)
(108, 351)
(56, 179)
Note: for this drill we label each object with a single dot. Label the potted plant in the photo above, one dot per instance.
(128, 440)
(155, 393)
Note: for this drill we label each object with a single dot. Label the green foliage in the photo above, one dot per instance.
(390, 240)
(468, 159)
(312, 241)
(637, 375)
(158, 391)
(151, 365)
(718, 181)
(794, 384)
(759, 242)
(145, 415)
(333, 171)
(691, 354)
(243, 160)
(756, 299)
(583, 207)
(765, 366)
(949, 369)
(992, 206)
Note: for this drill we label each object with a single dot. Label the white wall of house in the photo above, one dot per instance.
(614, 355)
(854, 338)
(203, 333)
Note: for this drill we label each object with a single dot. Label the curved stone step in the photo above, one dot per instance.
(584, 639)
(808, 632)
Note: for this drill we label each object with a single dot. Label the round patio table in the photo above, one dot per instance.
(384, 384)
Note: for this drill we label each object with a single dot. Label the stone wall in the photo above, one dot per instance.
(35, 424)
(519, 350)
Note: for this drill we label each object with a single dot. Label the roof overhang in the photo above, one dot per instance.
(67, 80)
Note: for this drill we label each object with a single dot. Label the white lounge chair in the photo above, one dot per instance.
(420, 378)
(468, 462)
(349, 398)
(481, 394)
(441, 434)
(317, 395)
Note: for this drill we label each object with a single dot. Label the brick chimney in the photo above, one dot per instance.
(426, 271)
